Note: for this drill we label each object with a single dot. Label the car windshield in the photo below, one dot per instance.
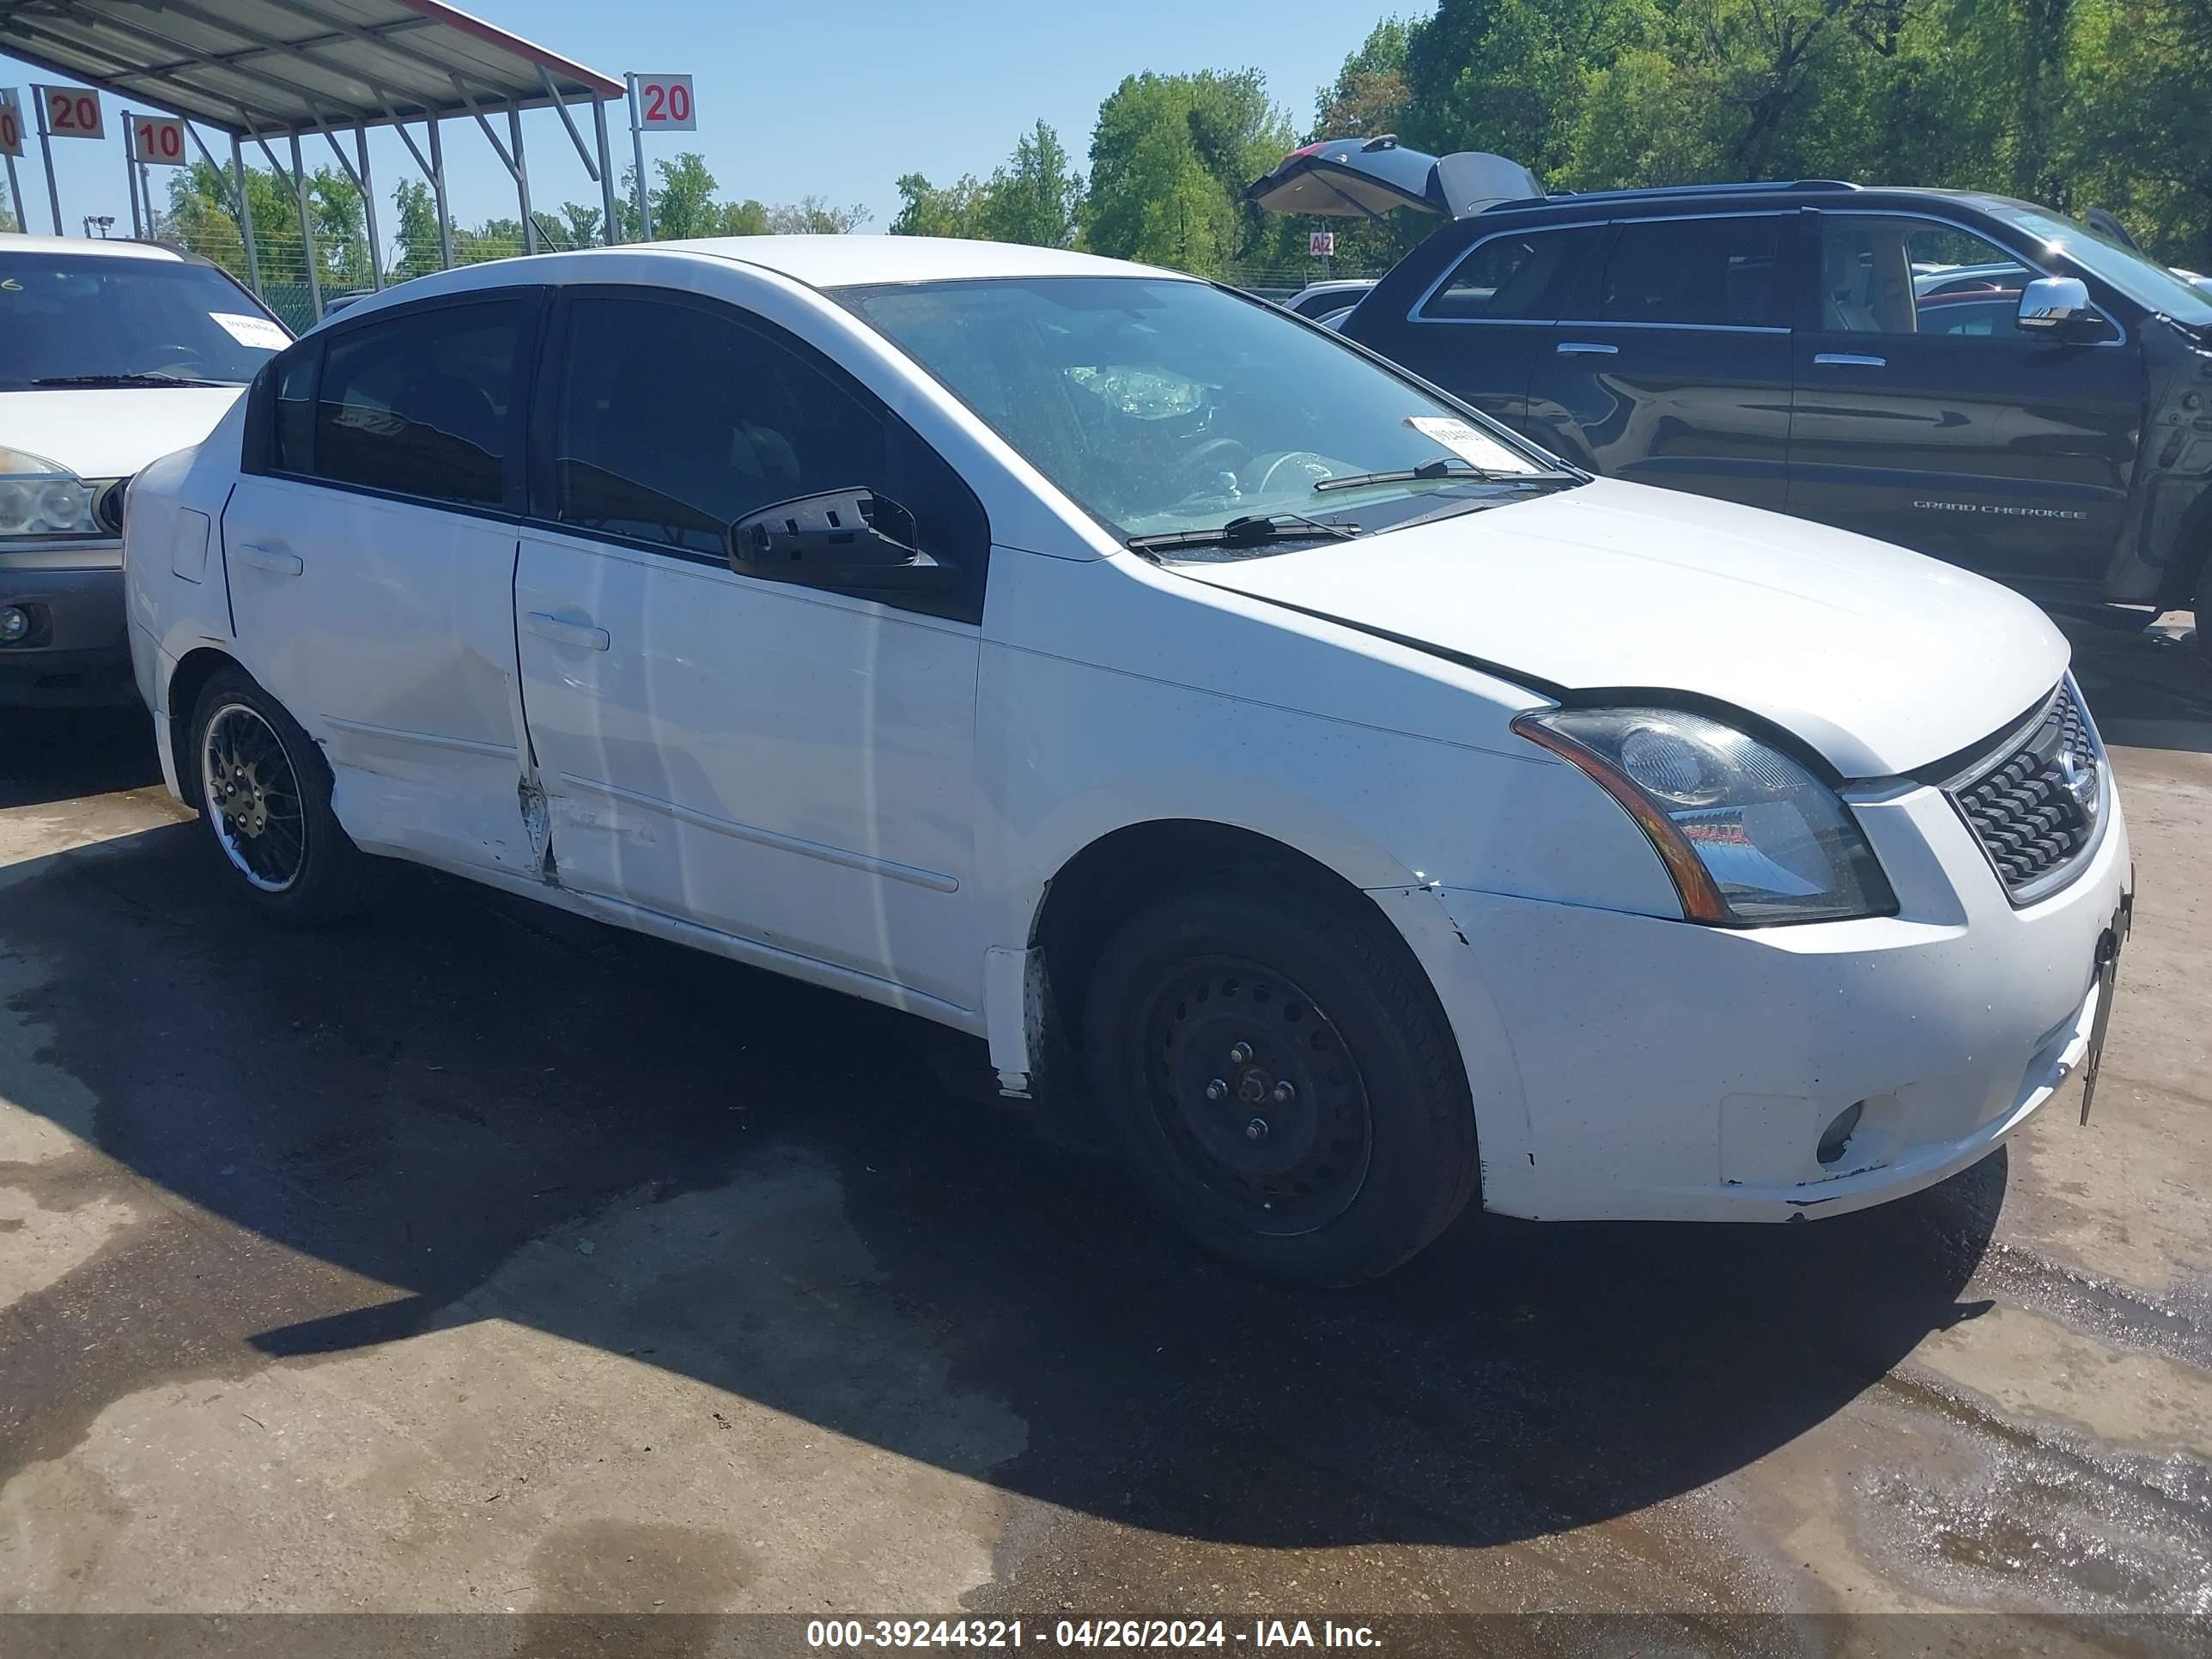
(84, 318)
(2144, 281)
(1166, 406)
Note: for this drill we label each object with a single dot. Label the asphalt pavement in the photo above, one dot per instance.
(478, 1259)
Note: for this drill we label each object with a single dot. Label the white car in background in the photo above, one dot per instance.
(1355, 808)
(111, 353)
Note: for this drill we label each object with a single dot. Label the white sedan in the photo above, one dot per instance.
(1355, 808)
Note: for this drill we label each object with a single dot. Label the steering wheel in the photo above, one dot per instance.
(1214, 456)
(1286, 459)
(170, 354)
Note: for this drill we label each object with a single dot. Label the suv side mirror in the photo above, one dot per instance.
(2054, 304)
(851, 538)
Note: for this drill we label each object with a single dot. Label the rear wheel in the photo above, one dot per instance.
(265, 797)
(1281, 1080)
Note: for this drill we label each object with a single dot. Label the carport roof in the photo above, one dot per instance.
(285, 66)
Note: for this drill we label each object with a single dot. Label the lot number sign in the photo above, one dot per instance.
(664, 104)
(1320, 244)
(157, 140)
(11, 123)
(71, 112)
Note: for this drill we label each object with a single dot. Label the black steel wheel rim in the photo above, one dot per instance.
(253, 798)
(1255, 1095)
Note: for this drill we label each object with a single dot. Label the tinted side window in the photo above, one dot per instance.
(1713, 272)
(1519, 276)
(673, 421)
(1905, 276)
(293, 419)
(419, 403)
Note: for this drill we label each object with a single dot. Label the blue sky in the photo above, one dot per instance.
(837, 97)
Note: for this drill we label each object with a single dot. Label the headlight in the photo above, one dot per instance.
(1749, 835)
(38, 497)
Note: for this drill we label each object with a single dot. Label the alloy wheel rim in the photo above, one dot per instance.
(1253, 1089)
(253, 797)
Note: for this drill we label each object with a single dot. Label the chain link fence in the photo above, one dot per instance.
(343, 270)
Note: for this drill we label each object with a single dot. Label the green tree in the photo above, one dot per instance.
(924, 210)
(1169, 158)
(810, 216)
(1034, 197)
(415, 247)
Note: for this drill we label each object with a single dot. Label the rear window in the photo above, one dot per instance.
(1717, 272)
(1521, 277)
(84, 318)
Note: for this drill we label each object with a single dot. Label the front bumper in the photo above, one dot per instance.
(1627, 1068)
(79, 652)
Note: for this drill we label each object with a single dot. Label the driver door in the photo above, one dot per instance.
(779, 762)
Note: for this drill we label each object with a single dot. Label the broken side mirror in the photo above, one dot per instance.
(852, 537)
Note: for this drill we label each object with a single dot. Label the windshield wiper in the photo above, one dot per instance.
(1444, 467)
(149, 378)
(1245, 531)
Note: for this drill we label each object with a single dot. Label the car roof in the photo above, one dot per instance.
(116, 249)
(1801, 192)
(857, 261)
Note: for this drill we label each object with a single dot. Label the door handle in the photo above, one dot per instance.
(1849, 360)
(564, 632)
(276, 560)
(1588, 348)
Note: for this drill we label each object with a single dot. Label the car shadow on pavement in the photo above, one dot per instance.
(2147, 689)
(470, 1109)
(58, 755)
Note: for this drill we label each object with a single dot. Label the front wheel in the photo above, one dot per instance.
(265, 797)
(1281, 1080)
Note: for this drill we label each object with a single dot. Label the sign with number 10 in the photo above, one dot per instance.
(71, 112)
(157, 140)
(11, 123)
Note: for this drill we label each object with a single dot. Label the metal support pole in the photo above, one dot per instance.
(438, 191)
(307, 229)
(46, 155)
(521, 180)
(612, 231)
(637, 154)
(130, 178)
(16, 198)
(146, 194)
(244, 215)
(368, 210)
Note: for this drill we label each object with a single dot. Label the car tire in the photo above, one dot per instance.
(265, 795)
(1281, 1078)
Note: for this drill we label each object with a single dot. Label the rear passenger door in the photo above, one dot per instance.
(1678, 373)
(1478, 330)
(369, 550)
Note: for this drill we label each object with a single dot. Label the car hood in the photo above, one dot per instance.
(110, 432)
(1878, 658)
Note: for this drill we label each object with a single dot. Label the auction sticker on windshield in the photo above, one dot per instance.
(1468, 443)
(251, 331)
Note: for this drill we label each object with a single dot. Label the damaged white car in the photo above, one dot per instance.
(1355, 808)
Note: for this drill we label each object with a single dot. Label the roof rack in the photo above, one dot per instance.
(1640, 192)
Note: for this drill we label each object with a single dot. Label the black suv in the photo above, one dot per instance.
(1970, 376)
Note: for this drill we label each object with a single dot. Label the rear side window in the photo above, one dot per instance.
(1521, 277)
(1717, 272)
(292, 430)
(419, 403)
(673, 421)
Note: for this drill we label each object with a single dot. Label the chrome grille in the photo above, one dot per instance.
(2037, 805)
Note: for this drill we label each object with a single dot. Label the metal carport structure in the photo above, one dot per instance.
(264, 71)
